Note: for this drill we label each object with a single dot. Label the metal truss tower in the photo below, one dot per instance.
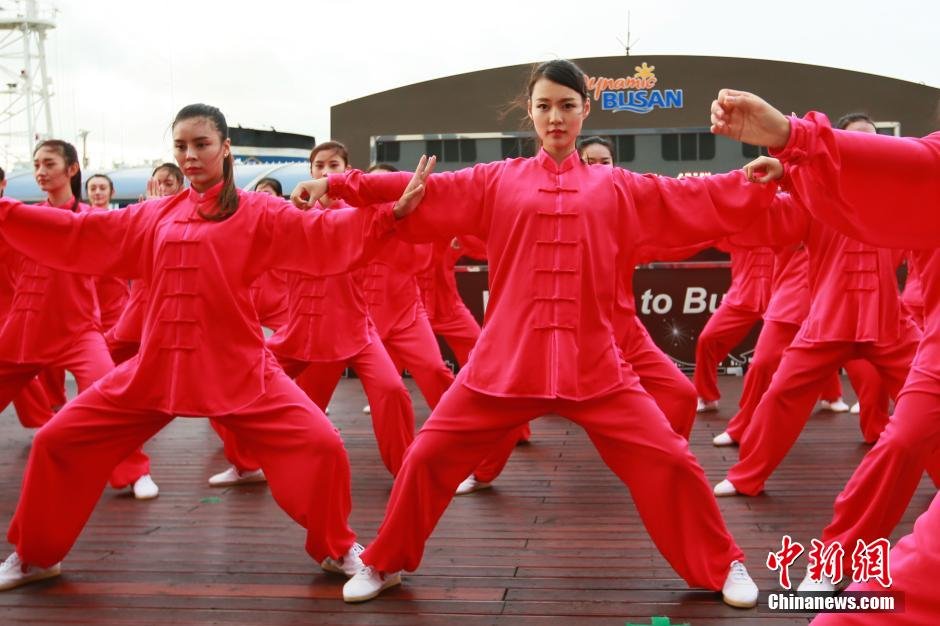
(26, 115)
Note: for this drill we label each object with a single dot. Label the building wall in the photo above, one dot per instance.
(474, 102)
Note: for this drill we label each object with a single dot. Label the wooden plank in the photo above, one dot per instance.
(557, 540)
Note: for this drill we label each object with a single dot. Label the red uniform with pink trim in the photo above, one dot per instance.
(32, 404)
(392, 294)
(672, 390)
(448, 314)
(913, 295)
(54, 323)
(112, 293)
(858, 183)
(788, 307)
(269, 295)
(328, 329)
(742, 306)
(202, 353)
(854, 313)
(556, 234)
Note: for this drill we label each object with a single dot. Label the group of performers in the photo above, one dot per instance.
(158, 309)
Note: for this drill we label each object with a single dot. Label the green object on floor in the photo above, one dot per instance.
(658, 621)
(211, 500)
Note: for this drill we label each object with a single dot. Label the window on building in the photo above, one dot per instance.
(670, 145)
(468, 150)
(514, 147)
(387, 151)
(509, 147)
(688, 147)
(452, 150)
(434, 147)
(706, 146)
(888, 128)
(752, 152)
(625, 148)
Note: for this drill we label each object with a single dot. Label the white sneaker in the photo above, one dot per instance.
(471, 484)
(725, 488)
(232, 476)
(368, 583)
(856, 409)
(836, 406)
(739, 590)
(367, 410)
(706, 405)
(13, 572)
(145, 488)
(825, 585)
(724, 439)
(349, 563)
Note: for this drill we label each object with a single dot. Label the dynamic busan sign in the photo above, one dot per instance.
(635, 94)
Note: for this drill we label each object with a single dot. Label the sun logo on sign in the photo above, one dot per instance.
(645, 71)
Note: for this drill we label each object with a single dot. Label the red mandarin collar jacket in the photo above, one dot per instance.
(438, 282)
(390, 285)
(50, 306)
(882, 190)
(130, 325)
(853, 286)
(202, 350)
(7, 278)
(789, 301)
(269, 295)
(556, 236)
(112, 294)
(751, 277)
(327, 317)
(913, 294)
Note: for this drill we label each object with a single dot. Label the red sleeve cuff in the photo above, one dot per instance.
(336, 185)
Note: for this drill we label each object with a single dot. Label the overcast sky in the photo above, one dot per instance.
(122, 69)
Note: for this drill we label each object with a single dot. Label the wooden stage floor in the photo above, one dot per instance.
(557, 541)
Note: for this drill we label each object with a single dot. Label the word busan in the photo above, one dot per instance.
(635, 94)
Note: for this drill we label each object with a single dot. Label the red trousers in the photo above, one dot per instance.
(785, 408)
(32, 405)
(237, 452)
(725, 329)
(123, 350)
(137, 463)
(916, 312)
(670, 388)
(415, 348)
(393, 418)
(302, 455)
(873, 397)
(88, 360)
(774, 338)
(41, 398)
(880, 490)
(460, 331)
(633, 438)
(915, 569)
(53, 381)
